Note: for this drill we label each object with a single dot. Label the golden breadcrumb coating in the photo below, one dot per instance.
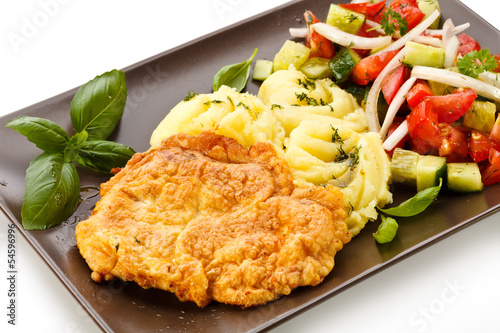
(207, 219)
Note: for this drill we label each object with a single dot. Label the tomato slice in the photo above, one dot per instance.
(418, 92)
(451, 107)
(454, 143)
(497, 57)
(467, 44)
(427, 133)
(480, 145)
(393, 81)
(409, 10)
(423, 124)
(370, 10)
(319, 45)
(495, 131)
(491, 174)
(370, 67)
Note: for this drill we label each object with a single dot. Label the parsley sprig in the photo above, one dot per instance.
(476, 62)
(392, 21)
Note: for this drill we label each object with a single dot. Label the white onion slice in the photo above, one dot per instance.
(396, 103)
(491, 78)
(396, 136)
(346, 39)
(457, 80)
(411, 34)
(451, 52)
(298, 32)
(456, 30)
(375, 25)
(447, 31)
(428, 40)
(372, 99)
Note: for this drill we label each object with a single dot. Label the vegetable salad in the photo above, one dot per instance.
(426, 87)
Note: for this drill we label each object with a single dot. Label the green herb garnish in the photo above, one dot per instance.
(386, 231)
(235, 75)
(392, 21)
(416, 204)
(52, 184)
(476, 62)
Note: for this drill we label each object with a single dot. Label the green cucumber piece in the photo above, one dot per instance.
(464, 177)
(428, 7)
(480, 116)
(424, 55)
(316, 68)
(342, 64)
(344, 19)
(429, 170)
(291, 53)
(262, 70)
(404, 166)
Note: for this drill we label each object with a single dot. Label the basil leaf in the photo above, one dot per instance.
(102, 156)
(235, 75)
(386, 231)
(51, 192)
(416, 204)
(44, 133)
(98, 105)
(76, 142)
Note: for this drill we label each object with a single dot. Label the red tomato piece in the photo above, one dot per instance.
(393, 81)
(319, 45)
(370, 10)
(409, 10)
(453, 142)
(426, 133)
(423, 124)
(495, 131)
(418, 92)
(480, 145)
(467, 44)
(450, 108)
(491, 174)
(370, 67)
(497, 57)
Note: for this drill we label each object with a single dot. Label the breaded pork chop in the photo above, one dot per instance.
(207, 219)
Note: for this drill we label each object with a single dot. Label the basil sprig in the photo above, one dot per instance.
(52, 184)
(415, 205)
(235, 75)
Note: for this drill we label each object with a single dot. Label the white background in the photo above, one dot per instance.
(451, 287)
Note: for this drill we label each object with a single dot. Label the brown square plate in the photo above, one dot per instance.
(155, 86)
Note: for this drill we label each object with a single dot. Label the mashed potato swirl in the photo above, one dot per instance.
(318, 128)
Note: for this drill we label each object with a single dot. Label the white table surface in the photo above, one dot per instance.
(50, 46)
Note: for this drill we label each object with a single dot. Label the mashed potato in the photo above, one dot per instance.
(239, 116)
(318, 128)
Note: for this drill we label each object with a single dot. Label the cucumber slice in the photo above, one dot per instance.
(342, 64)
(428, 7)
(424, 55)
(404, 166)
(262, 70)
(344, 19)
(291, 53)
(429, 170)
(464, 177)
(316, 68)
(480, 116)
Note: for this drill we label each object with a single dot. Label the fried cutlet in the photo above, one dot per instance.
(207, 219)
